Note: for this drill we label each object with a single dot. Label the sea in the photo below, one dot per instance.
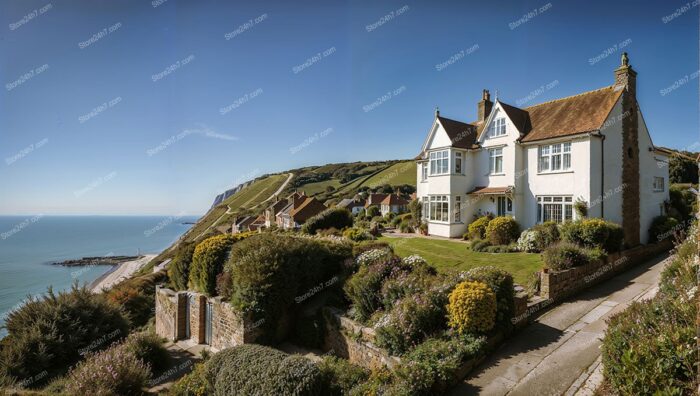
(30, 244)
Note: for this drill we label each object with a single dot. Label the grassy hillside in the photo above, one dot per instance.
(395, 175)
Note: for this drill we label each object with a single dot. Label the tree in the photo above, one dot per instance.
(416, 209)
(330, 189)
(386, 189)
(372, 211)
(682, 169)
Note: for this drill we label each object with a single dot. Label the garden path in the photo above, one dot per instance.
(559, 353)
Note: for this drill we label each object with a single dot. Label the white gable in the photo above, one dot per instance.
(512, 132)
(437, 138)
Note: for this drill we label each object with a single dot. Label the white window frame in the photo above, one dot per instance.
(458, 160)
(499, 127)
(552, 158)
(426, 207)
(658, 184)
(558, 208)
(494, 155)
(439, 208)
(458, 209)
(424, 171)
(439, 162)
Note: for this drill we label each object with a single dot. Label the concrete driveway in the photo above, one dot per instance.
(559, 353)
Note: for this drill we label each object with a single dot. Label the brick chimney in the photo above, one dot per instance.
(484, 106)
(626, 79)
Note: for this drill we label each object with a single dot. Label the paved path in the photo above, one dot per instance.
(556, 354)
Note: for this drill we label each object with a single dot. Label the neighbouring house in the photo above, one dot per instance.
(257, 224)
(354, 205)
(306, 210)
(533, 163)
(375, 200)
(242, 224)
(272, 211)
(393, 203)
(282, 218)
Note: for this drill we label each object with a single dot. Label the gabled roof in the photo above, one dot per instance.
(393, 199)
(461, 134)
(519, 117)
(375, 199)
(309, 208)
(350, 203)
(278, 206)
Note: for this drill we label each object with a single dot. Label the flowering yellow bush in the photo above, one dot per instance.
(472, 307)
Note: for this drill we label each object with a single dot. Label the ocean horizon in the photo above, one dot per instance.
(30, 244)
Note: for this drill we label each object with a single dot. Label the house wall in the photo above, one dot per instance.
(612, 192)
(651, 165)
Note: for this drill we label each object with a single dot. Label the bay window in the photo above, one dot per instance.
(439, 208)
(496, 160)
(554, 157)
(439, 162)
(554, 208)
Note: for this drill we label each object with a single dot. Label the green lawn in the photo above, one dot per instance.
(450, 256)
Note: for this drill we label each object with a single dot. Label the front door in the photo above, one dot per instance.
(505, 206)
(207, 324)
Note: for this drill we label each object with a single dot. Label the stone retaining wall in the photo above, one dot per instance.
(350, 340)
(228, 326)
(561, 284)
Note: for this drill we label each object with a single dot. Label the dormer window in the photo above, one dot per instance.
(499, 127)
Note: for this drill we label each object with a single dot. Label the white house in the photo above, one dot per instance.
(533, 163)
(393, 203)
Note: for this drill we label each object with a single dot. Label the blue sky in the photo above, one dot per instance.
(138, 107)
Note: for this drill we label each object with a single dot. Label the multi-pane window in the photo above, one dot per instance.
(499, 127)
(496, 160)
(555, 208)
(424, 172)
(439, 162)
(458, 163)
(458, 209)
(439, 208)
(426, 208)
(554, 157)
(658, 184)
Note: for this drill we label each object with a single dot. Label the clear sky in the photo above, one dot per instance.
(140, 107)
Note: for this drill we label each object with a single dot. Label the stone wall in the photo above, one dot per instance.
(561, 284)
(350, 340)
(228, 326)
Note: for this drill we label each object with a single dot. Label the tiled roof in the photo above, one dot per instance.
(490, 190)
(310, 207)
(393, 199)
(461, 134)
(375, 199)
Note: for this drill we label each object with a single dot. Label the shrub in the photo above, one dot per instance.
(208, 261)
(502, 231)
(136, 297)
(192, 384)
(477, 228)
(472, 307)
(594, 233)
(681, 203)
(372, 212)
(661, 228)
(179, 268)
(115, 371)
(650, 348)
(49, 334)
(362, 289)
(339, 218)
(501, 283)
(340, 376)
(564, 255)
(581, 208)
(414, 276)
(148, 347)
(270, 270)
(431, 368)
(255, 369)
(405, 227)
(539, 237)
(415, 207)
(358, 235)
(501, 248)
(479, 245)
(365, 246)
(411, 320)
(224, 285)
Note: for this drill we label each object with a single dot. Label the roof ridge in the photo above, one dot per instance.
(453, 120)
(566, 97)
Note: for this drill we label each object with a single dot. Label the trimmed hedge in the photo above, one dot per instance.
(594, 233)
(477, 228)
(208, 261)
(472, 308)
(258, 370)
(51, 333)
(338, 218)
(502, 231)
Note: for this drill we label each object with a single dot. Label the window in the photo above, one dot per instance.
(499, 127)
(426, 208)
(439, 208)
(458, 209)
(496, 161)
(439, 162)
(458, 163)
(658, 184)
(554, 208)
(424, 172)
(554, 157)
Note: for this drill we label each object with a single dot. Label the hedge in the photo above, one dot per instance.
(477, 228)
(339, 376)
(539, 237)
(179, 268)
(564, 255)
(662, 227)
(594, 233)
(208, 261)
(502, 231)
(338, 218)
(255, 369)
(501, 282)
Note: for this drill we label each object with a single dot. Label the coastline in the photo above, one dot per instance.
(119, 273)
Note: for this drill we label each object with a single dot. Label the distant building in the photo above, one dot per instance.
(393, 203)
(242, 224)
(354, 205)
(375, 200)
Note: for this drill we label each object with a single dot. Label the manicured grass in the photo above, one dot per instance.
(397, 174)
(451, 256)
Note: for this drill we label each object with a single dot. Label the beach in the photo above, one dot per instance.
(119, 273)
